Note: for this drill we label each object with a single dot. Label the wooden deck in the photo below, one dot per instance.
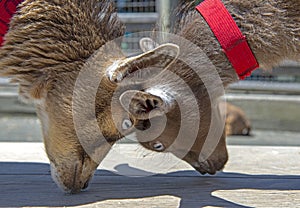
(255, 176)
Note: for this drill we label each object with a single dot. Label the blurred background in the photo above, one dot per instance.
(270, 100)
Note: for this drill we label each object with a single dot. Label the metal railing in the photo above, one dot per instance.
(143, 15)
(288, 72)
(133, 6)
(138, 16)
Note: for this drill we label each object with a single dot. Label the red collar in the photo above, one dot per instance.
(230, 37)
(7, 10)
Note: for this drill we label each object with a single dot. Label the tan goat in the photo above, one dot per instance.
(272, 29)
(49, 42)
(236, 122)
(47, 45)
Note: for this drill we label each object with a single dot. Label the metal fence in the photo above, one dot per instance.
(136, 6)
(139, 16)
(143, 15)
(288, 72)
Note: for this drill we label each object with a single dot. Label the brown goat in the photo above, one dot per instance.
(50, 41)
(236, 122)
(47, 45)
(272, 31)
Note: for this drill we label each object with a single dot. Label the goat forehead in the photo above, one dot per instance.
(112, 68)
(162, 93)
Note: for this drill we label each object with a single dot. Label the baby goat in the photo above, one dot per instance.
(47, 45)
(272, 29)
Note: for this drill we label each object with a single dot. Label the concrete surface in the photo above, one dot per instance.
(26, 128)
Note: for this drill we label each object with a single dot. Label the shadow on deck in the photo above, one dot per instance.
(30, 184)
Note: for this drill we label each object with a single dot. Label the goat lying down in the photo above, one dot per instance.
(50, 41)
(236, 121)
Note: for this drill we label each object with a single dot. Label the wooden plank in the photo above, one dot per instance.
(236, 190)
(254, 177)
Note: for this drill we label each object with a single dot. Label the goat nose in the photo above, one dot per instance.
(74, 191)
(77, 189)
(85, 186)
(204, 167)
(143, 125)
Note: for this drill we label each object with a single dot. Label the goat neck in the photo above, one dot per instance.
(271, 28)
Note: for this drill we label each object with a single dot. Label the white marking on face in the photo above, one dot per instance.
(157, 91)
(111, 70)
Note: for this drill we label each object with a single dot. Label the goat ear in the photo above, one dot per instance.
(147, 44)
(143, 105)
(161, 57)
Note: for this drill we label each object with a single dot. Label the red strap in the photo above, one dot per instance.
(7, 10)
(230, 37)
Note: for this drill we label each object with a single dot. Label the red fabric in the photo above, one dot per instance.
(7, 10)
(230, 37)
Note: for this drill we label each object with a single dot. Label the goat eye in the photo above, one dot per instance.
(127, 123)
(158, 146)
